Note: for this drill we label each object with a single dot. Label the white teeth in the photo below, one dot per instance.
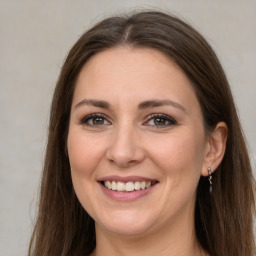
(143, 184)
(113, 185)
(120, 186)
(137, 185)
(108, 184)
(128, 187)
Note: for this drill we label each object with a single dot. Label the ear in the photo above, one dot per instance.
(215, 148)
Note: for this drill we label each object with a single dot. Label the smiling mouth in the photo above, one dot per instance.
(129, 186)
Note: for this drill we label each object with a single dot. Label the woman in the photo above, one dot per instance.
(145, 151)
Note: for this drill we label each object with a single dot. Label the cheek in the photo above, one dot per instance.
(84, 156)
(84, 153)
(180, 161)
(179, 155)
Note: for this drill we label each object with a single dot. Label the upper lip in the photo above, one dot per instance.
(125, 179)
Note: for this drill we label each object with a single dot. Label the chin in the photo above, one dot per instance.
(126, 224)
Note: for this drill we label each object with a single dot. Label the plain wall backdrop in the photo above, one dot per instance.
(35, 38)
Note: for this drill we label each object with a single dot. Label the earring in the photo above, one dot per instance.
(210, 178)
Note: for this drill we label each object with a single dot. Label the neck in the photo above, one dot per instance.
(177, 238)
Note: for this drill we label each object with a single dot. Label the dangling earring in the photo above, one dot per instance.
(210, 178)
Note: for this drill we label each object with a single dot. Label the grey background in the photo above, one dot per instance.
(35, 38)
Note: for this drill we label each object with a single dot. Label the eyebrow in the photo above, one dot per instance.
(141, 106)
(93, 102)
(159, 103)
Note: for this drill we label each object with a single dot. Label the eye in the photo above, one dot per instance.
(160, 121)
(95, 120)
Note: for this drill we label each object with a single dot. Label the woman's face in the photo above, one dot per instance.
(136, 142)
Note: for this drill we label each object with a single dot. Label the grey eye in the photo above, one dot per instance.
(97, 121)
(160, 121)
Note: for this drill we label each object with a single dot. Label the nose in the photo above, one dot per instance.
(125, 149)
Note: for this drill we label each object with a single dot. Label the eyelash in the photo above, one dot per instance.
(86, 119)
(163, 117)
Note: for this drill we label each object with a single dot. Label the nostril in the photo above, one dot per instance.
(125, 157)
(124, 149)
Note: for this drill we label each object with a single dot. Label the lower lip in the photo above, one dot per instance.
(126, 196)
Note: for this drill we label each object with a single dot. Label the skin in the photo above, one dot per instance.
(128, 141)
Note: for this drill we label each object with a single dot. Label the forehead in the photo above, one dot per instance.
(129, 60)
(137, 73)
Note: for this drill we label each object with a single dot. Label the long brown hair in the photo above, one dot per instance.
(224, 219)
